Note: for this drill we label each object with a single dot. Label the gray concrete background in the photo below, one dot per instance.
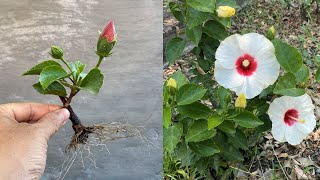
(133, 76)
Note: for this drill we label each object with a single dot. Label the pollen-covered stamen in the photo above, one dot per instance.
(245, 63)
(302, 121)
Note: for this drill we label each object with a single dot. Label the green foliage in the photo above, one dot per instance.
(288, 57)
(190, 93)
(36, 70)
(195, 110)
(93, 81)
(172, 136)
(54, 89)
(214, 133)
(174, 49)
(247, 119)
(287, 86)
(203, 5)
(214, 121)
(198, 131)
(50, 74)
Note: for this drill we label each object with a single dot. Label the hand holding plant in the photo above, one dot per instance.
(54, 79)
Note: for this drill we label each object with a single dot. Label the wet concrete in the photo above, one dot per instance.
(133, 77)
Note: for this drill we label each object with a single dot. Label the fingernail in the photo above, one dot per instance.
(65, 114)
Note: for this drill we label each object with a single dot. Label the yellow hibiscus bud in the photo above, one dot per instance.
(171, 86)
(241, 101)
(225, 11)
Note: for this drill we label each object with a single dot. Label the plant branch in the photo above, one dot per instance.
(73, 117)
(99, 62)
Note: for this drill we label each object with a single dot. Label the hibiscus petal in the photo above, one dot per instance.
(278, 132)
(293, 135)
(309, 124)
(229, 51)
(257, 46)
(227, 78)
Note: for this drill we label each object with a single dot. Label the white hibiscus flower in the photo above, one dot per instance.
(292, 118)
(246, 64)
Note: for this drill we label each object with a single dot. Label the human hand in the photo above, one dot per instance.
(25, 129)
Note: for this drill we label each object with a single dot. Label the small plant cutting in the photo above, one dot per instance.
(57, 75)
(234, 89)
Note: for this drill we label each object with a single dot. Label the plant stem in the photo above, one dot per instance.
(99, 62)
(62, 59)
(73, 117)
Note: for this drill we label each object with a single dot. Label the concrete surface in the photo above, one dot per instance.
(133, 77)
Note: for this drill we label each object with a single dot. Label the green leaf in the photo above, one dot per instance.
(204, 148)
(209, 46)
(239, 140)
(195, 17)
(247, 119)
(55, 89)
(223, 21)
(36, 70)
(267, 91)
(288, 57)
(287, 86)
(302, 74)
(171, 136)
(194, 34)
(181, 150)
(215, 30)
(232, 154)
(174, 49)
(176, 11)
(317, 76)
(51, 74)
(190, 93)
(195, 110)
(214, 121)
(180, 78)
(77, 68)
(93, 81)
(167, 116)
(198, 131)
(224, 97)
(203, 5)
(230, 3)
(227, 127)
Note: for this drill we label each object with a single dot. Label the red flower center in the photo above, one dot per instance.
(246, 65)
(290, 117)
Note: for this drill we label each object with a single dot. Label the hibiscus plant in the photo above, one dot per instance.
(58, 74)
(236, 88)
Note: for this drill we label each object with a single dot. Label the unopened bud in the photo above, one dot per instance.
(171, 86)
(225, 11)
(56, 52)
(271, 33)
(241, 101)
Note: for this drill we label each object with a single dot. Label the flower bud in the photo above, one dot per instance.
(241, 101)
(56, 52)
(107, 40)
(271, 33)
(171, 86)
(225, 11)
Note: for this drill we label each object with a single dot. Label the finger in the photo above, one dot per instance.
(51, 122)
(26, 112)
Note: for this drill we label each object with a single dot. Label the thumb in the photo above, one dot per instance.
(51, 122)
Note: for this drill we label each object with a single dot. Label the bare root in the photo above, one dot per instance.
(103, 132)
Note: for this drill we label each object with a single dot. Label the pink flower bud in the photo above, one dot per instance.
(109, 32)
